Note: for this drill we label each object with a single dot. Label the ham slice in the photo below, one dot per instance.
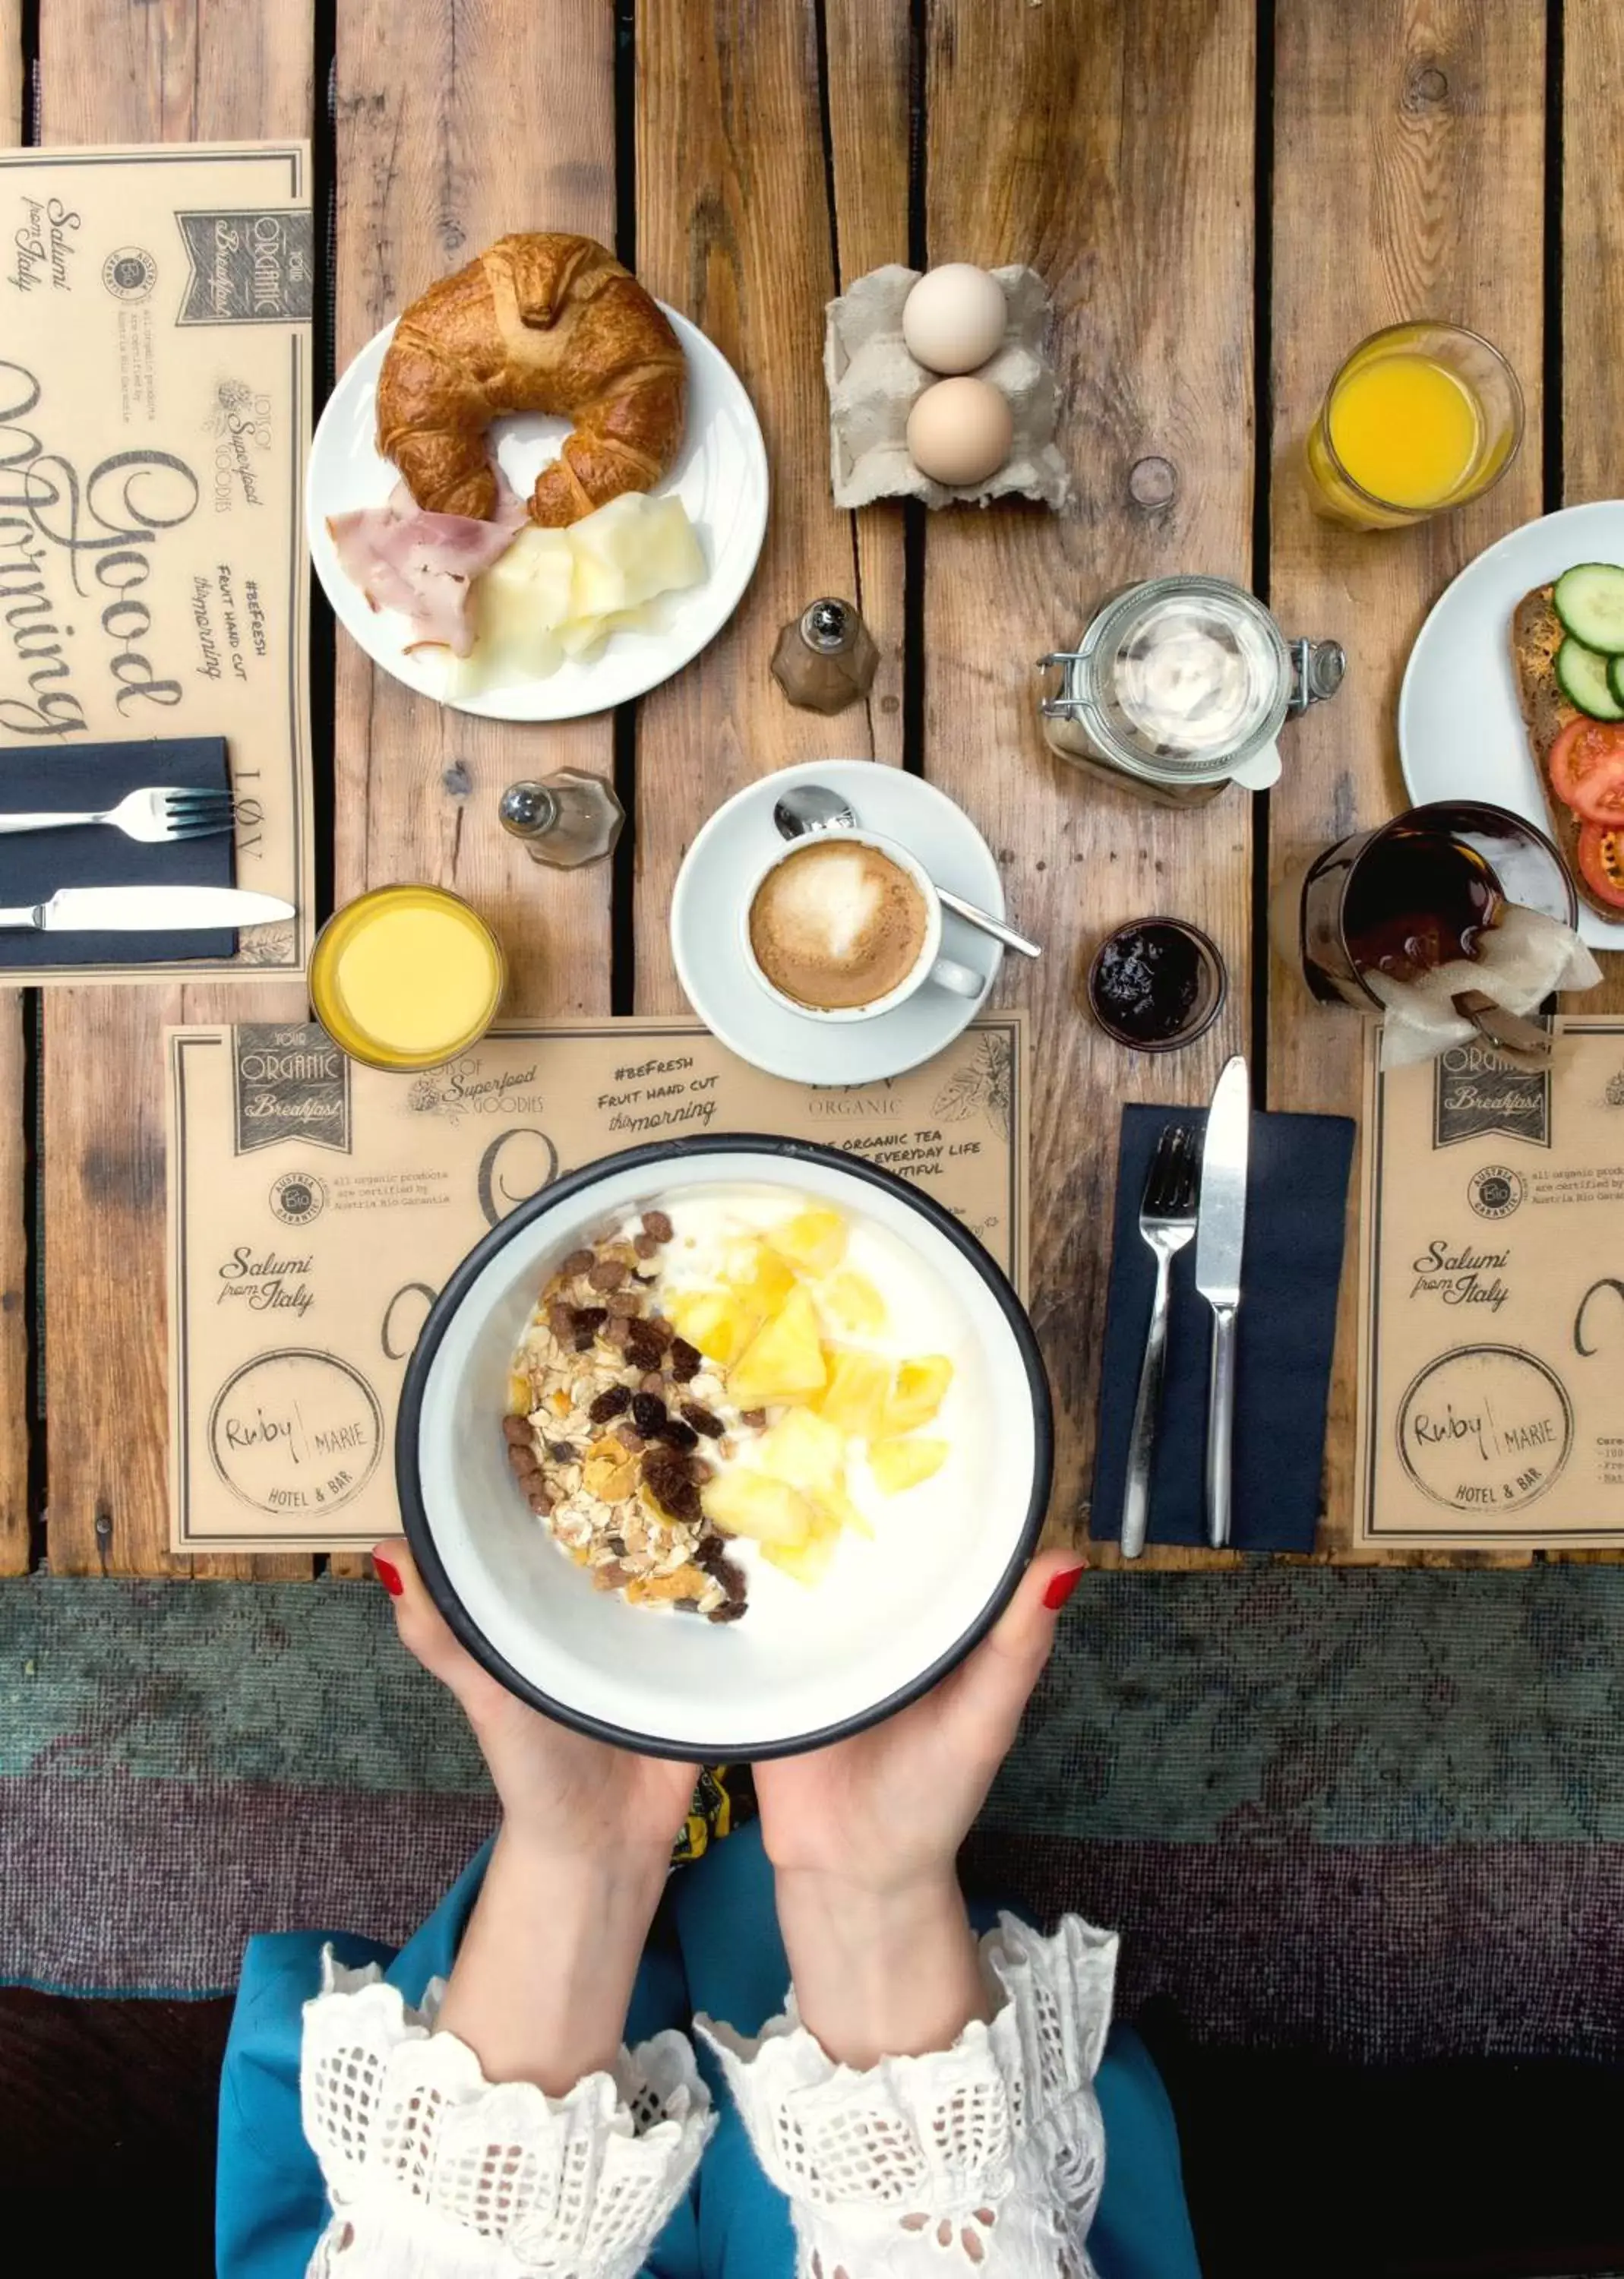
(424, 564)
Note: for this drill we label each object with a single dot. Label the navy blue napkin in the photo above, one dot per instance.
(1297, 1189)
(91, 778)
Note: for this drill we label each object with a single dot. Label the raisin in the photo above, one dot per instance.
(589, 1320)
(629, 1437)
(729, 1611)
(609, 1405)
(703, 1421)
(576, 1262)
(516, 1431)
(616, 1329)
(647, 1413)
(616, 1544)
(644, 1245)
(606, 1274)
(538, 1496)
(563, 1451)
(659, 1330)
(756, 1418)
(676, 1434)
(561, 1320)
(686, 1360)
(668, 1481)
(655, 1222)
(642, 1353)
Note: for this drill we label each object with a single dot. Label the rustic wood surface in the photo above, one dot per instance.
(14, 1198)
(1409, 154)
(751, 159)
(109, 72)
(1158, 385)
(417, 786)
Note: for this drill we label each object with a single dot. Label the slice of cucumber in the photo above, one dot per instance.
(1587, 679)
(1615, 682)
(1590, 601)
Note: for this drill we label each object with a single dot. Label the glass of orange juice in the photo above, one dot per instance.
(1421, 417)
(406, 977)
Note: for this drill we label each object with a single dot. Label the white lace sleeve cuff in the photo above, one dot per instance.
(433, 2169)
(985, 2158)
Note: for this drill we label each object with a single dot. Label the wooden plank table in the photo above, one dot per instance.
(1222, 198)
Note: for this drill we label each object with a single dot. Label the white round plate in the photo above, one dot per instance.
(725, 994)
(720, 475)
(1460, 732)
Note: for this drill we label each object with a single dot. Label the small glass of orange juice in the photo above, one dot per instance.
(1421, 417)
(406, 977)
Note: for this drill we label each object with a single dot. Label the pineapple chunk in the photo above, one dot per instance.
(759, 1281)
(852, 1300)
(835, 1506)
(918, 1392)
(749, 1503)
(814, 1240)
(783, 1360)
(808, 1562)
(713, 1321)
(804, 1449)
(903, 1463)
(854, 1398)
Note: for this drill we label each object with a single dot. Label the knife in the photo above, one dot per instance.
(146, 909)
(1220, 1235)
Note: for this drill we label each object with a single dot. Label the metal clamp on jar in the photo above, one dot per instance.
(1181, 686)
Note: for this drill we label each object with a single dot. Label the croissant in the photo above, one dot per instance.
(539, 322)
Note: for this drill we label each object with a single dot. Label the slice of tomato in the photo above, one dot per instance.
(1586, 770)
(1601, 863)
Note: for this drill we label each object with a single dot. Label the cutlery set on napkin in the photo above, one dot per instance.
(142, 844)
(1223, 1443)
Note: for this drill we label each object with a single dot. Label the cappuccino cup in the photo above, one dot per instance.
(843, 925)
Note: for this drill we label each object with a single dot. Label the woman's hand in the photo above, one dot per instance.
(864, 1837)
(543, 1979)
(572, 1795)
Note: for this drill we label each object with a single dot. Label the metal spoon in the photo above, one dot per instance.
(806, 809)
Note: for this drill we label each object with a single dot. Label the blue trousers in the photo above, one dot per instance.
(714, 1947)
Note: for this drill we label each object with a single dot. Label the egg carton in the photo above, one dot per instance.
(874, 383)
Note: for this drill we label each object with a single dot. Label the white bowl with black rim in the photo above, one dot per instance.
(804, 1667)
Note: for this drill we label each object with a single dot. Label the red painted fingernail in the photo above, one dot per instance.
(1063, 1585)
(388, 1575)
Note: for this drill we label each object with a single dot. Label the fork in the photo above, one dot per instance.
(162, 813)
(1167, 1222)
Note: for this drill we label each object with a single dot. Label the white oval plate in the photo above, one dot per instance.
(720, 475)
(1460, 732)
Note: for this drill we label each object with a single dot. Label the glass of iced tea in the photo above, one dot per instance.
(1421, 417)
(1413, 894)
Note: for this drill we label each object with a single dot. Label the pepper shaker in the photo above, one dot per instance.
(565, 820)
(825, 658)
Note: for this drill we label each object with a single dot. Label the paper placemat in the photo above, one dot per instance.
(154, 402)
(1491, 1281)
(315, 1207)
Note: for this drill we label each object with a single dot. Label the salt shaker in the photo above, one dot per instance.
(825, 657)
(565, 820)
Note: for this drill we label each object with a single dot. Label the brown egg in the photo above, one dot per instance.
(960, 431)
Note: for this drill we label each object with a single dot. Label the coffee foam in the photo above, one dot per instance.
(838, 925)
(830, 905)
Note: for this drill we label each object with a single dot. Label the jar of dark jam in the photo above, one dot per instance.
(1156, 983)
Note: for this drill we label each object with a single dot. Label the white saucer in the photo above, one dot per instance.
(1461, 731)
(720, 474)
(725, 993)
